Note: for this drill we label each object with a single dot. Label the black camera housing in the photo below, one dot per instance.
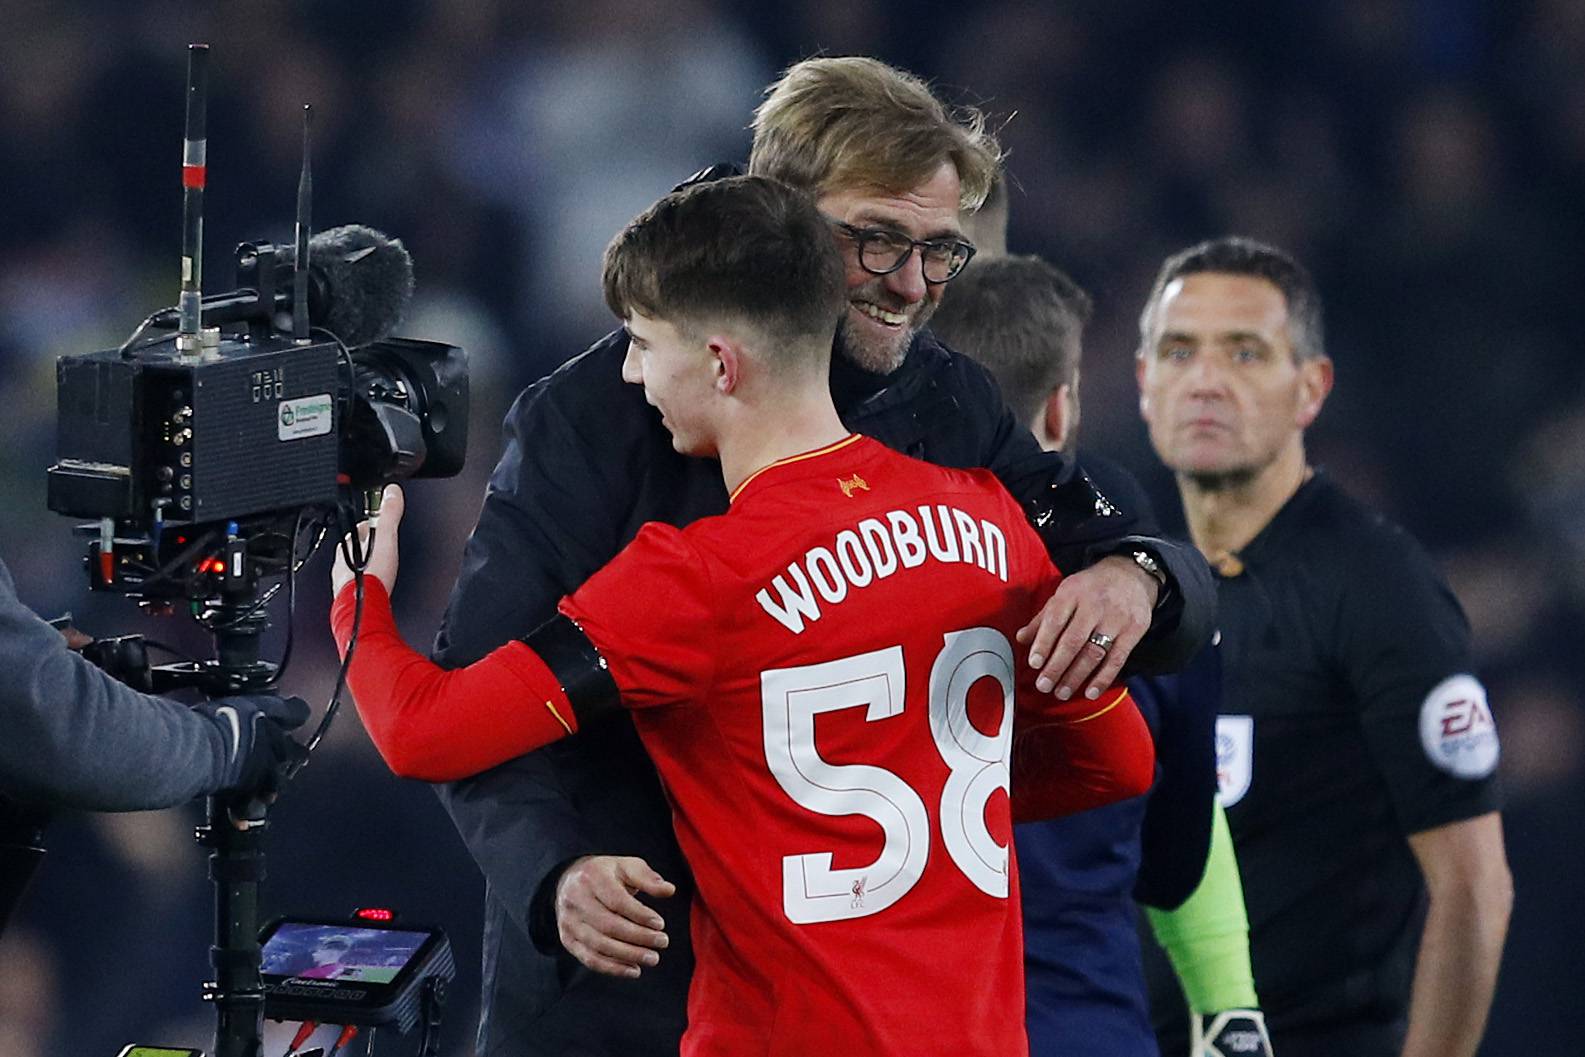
(256, 427)
(159, 437)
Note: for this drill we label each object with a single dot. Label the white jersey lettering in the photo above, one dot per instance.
(855, 563)
(995, 550)
(827, 577)
(878, 542)
(873, 550)
(939, 534)
(795, 606)
(910, 548)
(973, 553)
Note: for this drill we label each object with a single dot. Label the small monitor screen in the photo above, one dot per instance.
(339, 952)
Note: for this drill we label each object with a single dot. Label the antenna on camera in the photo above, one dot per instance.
(305, 193)
(194, 170)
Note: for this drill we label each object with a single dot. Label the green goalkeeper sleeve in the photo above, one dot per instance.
(1207, 938)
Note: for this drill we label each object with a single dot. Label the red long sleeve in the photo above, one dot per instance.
(439, 725)
(1079, 754)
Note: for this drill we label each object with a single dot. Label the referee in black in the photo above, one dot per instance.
(1356, 752)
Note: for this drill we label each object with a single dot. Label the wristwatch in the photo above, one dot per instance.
(1147, 561)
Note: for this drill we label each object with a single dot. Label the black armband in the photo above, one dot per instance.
(578, 666)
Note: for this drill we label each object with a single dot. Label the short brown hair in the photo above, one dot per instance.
(838, 123)
(746, 247)
(1236, 255)
(1022, 318)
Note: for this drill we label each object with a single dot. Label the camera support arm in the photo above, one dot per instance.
(233, 834)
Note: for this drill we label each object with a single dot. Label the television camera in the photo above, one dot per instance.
(219, 446)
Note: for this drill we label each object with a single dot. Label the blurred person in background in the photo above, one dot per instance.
(588, 463)
(986, 227)
(1356, 750)
(76, 737)
(1024, 320)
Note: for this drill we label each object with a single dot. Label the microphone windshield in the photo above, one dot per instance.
(360, 282)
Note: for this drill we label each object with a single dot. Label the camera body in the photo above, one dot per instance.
(164, 437)
(199, 456)
(254, 425)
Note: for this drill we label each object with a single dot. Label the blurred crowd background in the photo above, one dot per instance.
(1425, 157)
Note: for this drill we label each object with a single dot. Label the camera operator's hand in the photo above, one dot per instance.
(76, 640)
(383, 560)
(255, 731)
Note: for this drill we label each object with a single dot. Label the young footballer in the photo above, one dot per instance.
(824, 676)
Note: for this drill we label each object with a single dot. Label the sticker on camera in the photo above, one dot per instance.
(307, 416)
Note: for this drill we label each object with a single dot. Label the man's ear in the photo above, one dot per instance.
(1057, 414)
(1315, 383)
(727, 356)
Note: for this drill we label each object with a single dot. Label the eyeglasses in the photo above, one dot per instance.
(883, 251)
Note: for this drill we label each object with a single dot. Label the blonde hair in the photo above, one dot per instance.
(840, 123)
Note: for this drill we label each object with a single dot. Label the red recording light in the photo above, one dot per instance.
(375, 914)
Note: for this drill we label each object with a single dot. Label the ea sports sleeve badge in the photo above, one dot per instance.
(1456, 728)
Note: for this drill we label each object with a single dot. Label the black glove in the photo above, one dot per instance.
(1230, 1033)
(258, 748)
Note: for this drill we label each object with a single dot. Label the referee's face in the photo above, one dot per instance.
(1220, 387)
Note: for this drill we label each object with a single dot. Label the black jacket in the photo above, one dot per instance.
(587, 463)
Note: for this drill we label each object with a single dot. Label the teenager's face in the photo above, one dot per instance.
(886, 311)
(679, 376)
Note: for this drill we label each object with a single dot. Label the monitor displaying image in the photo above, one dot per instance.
(339, 952)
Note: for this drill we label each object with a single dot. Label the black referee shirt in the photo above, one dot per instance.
(1350, 720)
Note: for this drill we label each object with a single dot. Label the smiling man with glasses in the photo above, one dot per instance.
(892, 290)
(571, 835)
(882, 252)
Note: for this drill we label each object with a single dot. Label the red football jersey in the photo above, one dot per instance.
(825, 678)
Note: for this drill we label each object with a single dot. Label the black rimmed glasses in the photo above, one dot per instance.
(883, 251)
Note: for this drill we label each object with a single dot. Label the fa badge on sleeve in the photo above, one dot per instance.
(1235, 757)
(1456, 728)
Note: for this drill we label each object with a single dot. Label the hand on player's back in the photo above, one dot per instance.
(600, 919)
(1112, 599)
